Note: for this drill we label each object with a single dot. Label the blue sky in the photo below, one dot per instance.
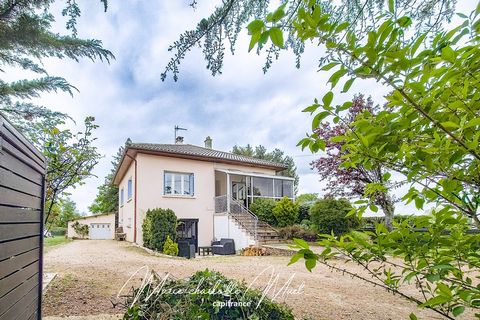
(241, 106)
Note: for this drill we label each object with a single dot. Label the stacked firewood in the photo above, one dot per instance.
(254, 251)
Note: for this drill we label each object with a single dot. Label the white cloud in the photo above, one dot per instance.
(240, 106)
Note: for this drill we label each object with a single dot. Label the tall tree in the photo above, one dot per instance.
(71, 155)
(25, 39)
(107, 196)
(354, 181)
(219, 31)
(276, 155)
(64, 211)
(429, 131)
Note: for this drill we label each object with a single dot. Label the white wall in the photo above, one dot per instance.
(126, 211)
(226, 227)
(149, 180)
(104, 218)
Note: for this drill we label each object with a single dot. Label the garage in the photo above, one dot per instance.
(100, 226)
(99, 231)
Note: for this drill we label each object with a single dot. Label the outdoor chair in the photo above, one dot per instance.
(120, 235)
(224, 246)
(186, 249)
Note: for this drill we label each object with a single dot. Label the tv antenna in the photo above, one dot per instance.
(177, 128)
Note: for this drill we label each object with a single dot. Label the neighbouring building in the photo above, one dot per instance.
(209, 191)
(100, 226)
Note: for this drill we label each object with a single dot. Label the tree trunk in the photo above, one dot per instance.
(385, 202)
(389, 211)
(476, 221)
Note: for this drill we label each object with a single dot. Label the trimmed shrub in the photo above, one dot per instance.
(157, 226)
(170, 247)
(285, 212)
(263, 209)
(58, 231)
(176, 300)
(299, 232)
(329, 215)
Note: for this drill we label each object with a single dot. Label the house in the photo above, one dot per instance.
(210, 191)
(100, 226)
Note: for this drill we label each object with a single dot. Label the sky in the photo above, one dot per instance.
(241, 106)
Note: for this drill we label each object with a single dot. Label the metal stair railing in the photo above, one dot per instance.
(237, 210)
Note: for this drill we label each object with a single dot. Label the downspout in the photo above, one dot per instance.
(134, 201)
(229, 195)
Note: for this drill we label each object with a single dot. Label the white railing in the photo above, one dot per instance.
(237, 210)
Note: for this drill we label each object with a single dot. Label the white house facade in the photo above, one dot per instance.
(209, 191)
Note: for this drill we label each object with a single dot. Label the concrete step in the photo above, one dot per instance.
(265, 233)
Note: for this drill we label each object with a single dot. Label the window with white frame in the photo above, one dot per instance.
(129, 189)
(121, 197)
(178, 183)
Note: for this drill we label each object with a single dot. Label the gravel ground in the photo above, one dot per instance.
(91, 273)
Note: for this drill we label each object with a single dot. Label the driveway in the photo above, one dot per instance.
(91, 273)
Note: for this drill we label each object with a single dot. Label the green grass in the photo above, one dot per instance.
(55, 241)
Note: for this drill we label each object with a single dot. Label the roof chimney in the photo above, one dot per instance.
(208, 142)
(179, 140)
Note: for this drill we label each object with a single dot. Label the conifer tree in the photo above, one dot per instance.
(25, 39)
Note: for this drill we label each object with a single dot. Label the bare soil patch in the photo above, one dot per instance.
(91, 273)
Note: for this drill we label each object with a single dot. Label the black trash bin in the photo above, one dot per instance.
(185, 249)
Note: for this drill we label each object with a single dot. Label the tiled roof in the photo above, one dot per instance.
(210, 154)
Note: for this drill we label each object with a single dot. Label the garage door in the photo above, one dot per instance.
(100, 231)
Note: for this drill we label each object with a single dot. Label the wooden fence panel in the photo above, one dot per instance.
(22, 188)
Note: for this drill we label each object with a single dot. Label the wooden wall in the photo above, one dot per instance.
(22, 174)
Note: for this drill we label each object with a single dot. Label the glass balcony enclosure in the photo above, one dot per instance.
(247, 186)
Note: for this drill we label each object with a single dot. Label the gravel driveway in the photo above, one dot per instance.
(91, 273)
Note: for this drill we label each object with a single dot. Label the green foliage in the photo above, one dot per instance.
(370, 222)
(62, 211)
(428, 131)
(304, 202)
(58, 231)
(275, 30)
(306, 198)
(276, 155)
(176, 300)
(297, 231)
(170, 247)
(303, 212)
(54, 241)
(441, 260)
(71, 155)
(158, 225)
(80, 229)
(71, 158)
(107, 197)
(331, 215)
(263, 209)
(285, 212)
(25, 39)
(68, 212)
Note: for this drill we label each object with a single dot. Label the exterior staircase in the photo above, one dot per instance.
(246, 220)
(265, 232)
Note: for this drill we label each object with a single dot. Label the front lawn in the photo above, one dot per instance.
(55, 241)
